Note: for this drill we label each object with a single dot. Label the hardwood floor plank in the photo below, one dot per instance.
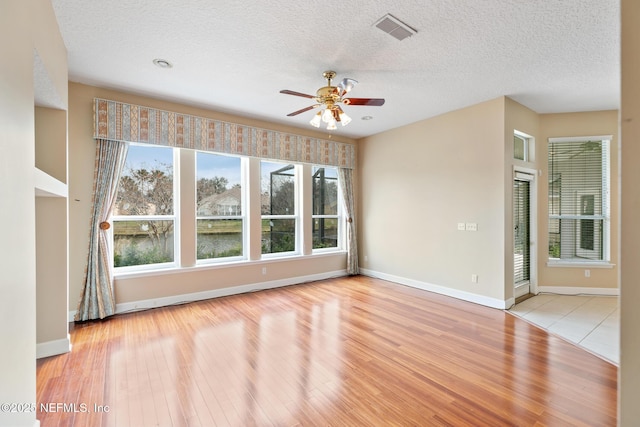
(343, 352)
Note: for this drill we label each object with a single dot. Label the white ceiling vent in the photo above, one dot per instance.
(392, 25)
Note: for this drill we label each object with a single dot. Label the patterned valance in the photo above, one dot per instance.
(133, 123)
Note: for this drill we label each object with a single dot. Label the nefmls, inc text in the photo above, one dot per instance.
(72, 407)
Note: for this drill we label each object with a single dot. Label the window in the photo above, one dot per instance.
(579, 199)
(325, 218)
(278, 207)
(147, 223)
(523, 145)
(219, 195)
(144, 213)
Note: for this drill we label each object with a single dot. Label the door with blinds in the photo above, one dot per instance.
(522, 233)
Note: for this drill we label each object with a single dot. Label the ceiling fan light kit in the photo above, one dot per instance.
(328, 98)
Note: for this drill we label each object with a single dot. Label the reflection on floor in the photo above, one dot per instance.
(592, 322)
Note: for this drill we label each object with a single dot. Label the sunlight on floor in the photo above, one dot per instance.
(592, 322)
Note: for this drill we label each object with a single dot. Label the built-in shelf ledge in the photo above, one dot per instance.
(48, 186)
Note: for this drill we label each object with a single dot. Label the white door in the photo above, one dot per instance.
(522, 238)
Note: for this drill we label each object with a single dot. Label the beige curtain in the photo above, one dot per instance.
(346, 185)
(96, 299)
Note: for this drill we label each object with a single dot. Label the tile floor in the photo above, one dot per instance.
(592, 322)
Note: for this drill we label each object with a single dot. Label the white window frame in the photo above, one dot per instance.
(297, 182)
(175, 218)
(243, 216)
(529, 146)
(605, 215)
(338, 217)
(588, 253)
(185, 170)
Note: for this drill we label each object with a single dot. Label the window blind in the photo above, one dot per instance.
(521, 235)
(578, 198)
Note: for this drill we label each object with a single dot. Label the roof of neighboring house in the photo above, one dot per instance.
(212, 204)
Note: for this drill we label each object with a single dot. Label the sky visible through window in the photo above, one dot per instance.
(145, 156)
(216, 165)
(209, 166)
(266, 168)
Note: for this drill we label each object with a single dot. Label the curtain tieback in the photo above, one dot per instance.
(104, 225)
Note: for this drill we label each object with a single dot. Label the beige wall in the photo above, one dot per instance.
(25, 26)
(17, 252)
(629, 372)
(418, 182)
(51, 142)
(517, 118)
(52, 327)
(51, 235)
(140, 287)
(569, 125)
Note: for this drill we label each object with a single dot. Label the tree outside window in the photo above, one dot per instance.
(143, 217)
(146, 223)
(325, 208)
(219, 196)
(278, 207)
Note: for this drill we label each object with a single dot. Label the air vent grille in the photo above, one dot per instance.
(393, 26)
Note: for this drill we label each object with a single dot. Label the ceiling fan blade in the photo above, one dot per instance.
(295, 113)
(291, 92)
(376, 102)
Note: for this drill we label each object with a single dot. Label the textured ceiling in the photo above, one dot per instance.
(45, 91)
(235, 56)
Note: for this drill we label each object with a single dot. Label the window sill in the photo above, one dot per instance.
(580, 264)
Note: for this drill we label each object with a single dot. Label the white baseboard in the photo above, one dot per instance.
(509, 303)
(443, 290)
(216, 293)
(53, 348)
(569, 290)
(128, 307)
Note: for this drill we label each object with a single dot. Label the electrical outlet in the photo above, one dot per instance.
(461, 226)
(587, 273)
(474, 278)
(471, 226)
(264, 270)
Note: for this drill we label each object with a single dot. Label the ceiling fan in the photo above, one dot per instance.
(329, 97)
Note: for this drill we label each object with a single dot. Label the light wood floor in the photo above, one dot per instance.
(343, 352)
